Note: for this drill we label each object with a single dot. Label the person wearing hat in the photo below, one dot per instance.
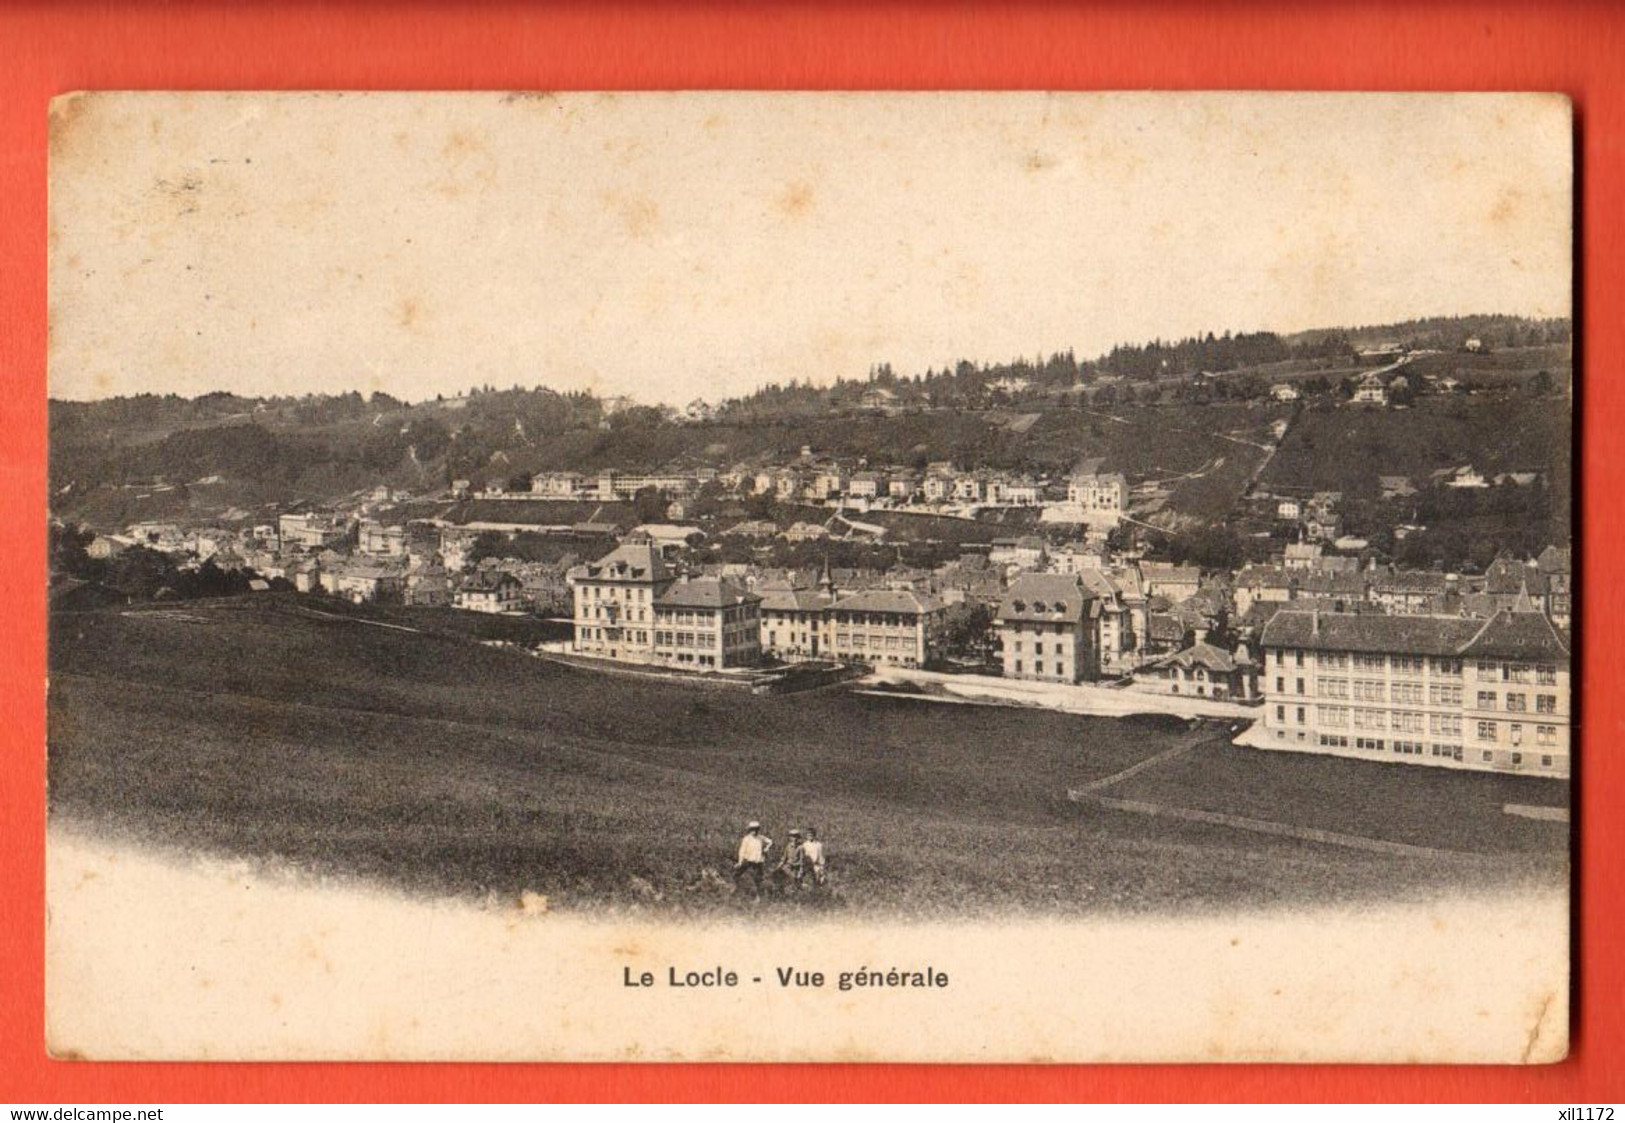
(790, 870)
(812, 857)
(752, 861)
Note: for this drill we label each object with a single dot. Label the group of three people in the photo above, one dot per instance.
(800, 867)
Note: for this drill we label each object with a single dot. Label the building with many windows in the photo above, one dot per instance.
(1491, 695)
(615, 600)
(1098, 499)
(1046, 629)
(884, 627)
(707, 624)
(490, 590)
(631, 606)
(793, 622)
(880, 627)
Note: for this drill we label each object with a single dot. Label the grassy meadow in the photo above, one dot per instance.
(425, 761)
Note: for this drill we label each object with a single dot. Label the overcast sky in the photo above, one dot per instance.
(697, 245)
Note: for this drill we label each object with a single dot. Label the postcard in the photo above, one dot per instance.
(1016, 577)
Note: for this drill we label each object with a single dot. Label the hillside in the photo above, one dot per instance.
(1192, 442)
(254, 727)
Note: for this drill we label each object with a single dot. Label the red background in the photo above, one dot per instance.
(437, 44)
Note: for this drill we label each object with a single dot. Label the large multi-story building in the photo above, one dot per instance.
(311, 530)
(490, 590)
(613, 486)
(631, 606)
(615, 602)
(558, 485)
(884, 627)
(381, 541)
(880, 627)
(793, 622)
(1101, 498)
(707, 624)
(1047, 629)
(938, 487)
(1490, 694)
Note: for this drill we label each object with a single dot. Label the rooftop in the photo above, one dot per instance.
(1507, 635)
(901, 601)
(634, 561)
(1044, 597)
(704, 592)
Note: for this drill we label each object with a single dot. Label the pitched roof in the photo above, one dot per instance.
(704, 592)
(1046, 597)
(1519, 635)
(489, 580)
(888, 600)
(1272, 576)
(633, 561)
(794, 600)
(1555, 559)
(1337, 631)
(1332, 584)
(1098, 583)
(1200, 655)
(1168, 574)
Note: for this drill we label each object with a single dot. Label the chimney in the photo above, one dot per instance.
(1314, 622)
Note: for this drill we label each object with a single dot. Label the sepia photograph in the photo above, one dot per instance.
(697, 576)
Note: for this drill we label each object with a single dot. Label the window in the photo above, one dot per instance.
(1451, 667)
(1517, 758)
(1332, 715)
(1405, 721)
(1408, 692)
(1546, 734)
(1280, 685)
(1370, 662)
(1300, 715)
(1546, 676)
(1300, 686)
(1408, 664)
(1486, 731)
(1332, 687)
(1545, 703)
(1368, 690)
(1515, 703)
(1280, 711)
(1444, 695)
(1511, 672)
(1038, 667)
(1488, 756)
(1486, 699)
(1487, 671)
(1516, 733)
(1545, 762)
(1018, 666)
(1299, 656)
(1448, 725)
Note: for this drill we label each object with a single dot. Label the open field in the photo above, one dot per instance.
(249, 727)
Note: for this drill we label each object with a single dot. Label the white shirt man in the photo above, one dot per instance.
(752, 861)
(812, 855)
